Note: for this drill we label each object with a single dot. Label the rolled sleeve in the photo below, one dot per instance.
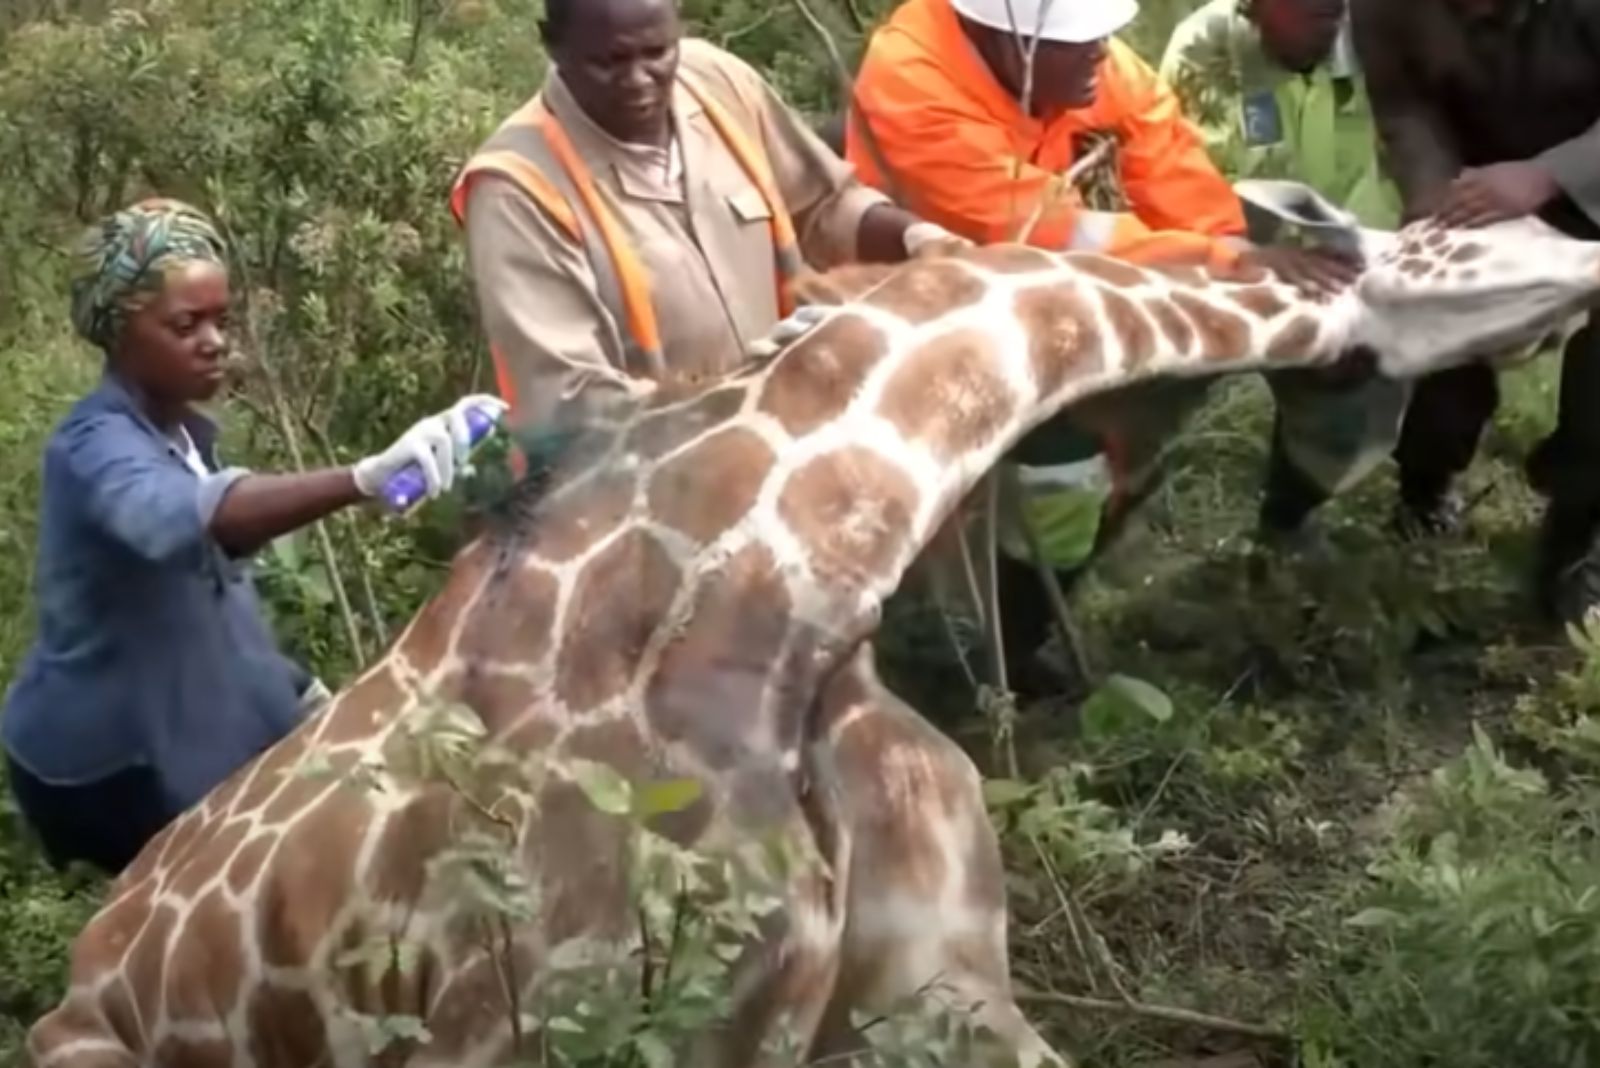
(213, 488)
(137, 496)
(1575, 165)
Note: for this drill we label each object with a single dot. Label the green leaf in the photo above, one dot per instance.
(1124, 704)
(998, 793)
(671, 795)
(606, 790)
(1374, 917)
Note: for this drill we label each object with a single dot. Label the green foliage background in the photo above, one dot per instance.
(1302, 765)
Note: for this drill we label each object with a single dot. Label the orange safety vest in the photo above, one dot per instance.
(532, 150)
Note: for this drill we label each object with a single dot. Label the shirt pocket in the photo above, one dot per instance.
(749, 207)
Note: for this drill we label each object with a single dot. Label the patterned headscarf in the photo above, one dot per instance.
(124, 262)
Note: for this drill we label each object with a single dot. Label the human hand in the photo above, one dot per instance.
(438, 445)
(1315, 272)
(930, 239)
(799, 323)
(1482, 196)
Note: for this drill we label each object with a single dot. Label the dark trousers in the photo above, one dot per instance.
(1449, 411)
(104, 824)
(1446, 420)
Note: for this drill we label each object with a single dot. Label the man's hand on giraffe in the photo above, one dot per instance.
(1315, 272)
(924, 239)
(799, 323)
(1483, 196)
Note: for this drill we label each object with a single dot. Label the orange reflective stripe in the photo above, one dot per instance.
(527, 178)
(754, 163)
(631, 274)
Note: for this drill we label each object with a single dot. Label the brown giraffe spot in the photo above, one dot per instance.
(906, 779)
(1012, 259)
(411, 836)
(1435, 239)
(949, 394)
(708, 687)
(500, 699)
(1468, 252)
(268, 769)
(246, 864)
(511, 623)
(1413, 267)
(285, 1027)
(1133, 331)
(1176, 329)
(841, 285)
(1063, 337)
(571, 521)
(668, 431)
(176, 847)
(1105, 269)
(708, 488)
(577, 852)
(619, 600)
(852, 510)
(920, 292)
(175, 1052)
(360, 711)
(76, 1016)
(1295, 340)
(207, 857)
(532, 734)
(297, 793)
(1223, 335)
(1264, 302)
(812, 382)
(207, 966)
(105, 940)
(116, 1005)
(219, 800)
(428, 641)
(1184, 274)
(146, 961)
(311, 877)
(470, 1005)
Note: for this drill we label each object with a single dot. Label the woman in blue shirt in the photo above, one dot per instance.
(154, 676)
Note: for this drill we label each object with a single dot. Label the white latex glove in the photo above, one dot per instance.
(921, 236)
(439, 445)
(800, 322)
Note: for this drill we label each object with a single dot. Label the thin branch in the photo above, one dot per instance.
(1167, 1013)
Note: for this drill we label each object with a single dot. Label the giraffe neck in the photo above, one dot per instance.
(720, 555)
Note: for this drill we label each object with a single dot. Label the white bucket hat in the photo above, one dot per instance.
(1073, 21)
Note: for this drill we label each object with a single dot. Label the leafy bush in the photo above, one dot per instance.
(1479, 942)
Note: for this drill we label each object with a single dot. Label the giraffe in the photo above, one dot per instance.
(692, 593)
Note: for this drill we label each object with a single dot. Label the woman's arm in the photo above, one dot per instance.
(258, 508)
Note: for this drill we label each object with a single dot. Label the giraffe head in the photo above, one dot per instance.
(1432, 298)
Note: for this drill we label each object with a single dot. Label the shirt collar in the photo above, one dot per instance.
(116, 393)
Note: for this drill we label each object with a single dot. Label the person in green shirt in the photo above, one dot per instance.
(1272, 86)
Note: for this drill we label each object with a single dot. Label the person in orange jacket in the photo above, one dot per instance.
(949, 119)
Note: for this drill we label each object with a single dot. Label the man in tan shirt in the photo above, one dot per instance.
(636, 219)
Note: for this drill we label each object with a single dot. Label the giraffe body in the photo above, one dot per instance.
(693, 596)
